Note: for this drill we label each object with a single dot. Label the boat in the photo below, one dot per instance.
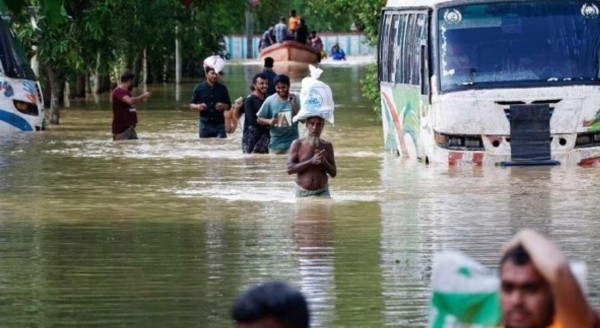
(290, 52)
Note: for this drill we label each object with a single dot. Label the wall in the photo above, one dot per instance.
(354, 44)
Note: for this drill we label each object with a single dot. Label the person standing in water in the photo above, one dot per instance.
(277, 112)
(123, 106)
(256, 136)
(312, 160)
(270, 74)
(211, 99)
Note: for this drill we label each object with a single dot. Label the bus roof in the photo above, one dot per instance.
(413, 3)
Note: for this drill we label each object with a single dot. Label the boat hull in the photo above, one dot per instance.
(290, 51)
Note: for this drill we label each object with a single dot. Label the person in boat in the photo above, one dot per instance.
(281, 31)
(293, 23)
(317, 44)
(302, 32)
(337, 53)
(277, 112)
(123, 106)
(270, 74)
(312, 160)
(268, 38)
(273, 304)
(538, 288)
(211, 100)
(256, 136)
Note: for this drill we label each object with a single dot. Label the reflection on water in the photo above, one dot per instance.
(165, 231)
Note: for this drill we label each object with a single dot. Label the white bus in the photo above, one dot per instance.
(491, 82)
(21, 102)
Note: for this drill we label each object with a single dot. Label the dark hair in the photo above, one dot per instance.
(269, 62)
(293, 12)
(517, 255)
(282, 78)
(274, 299)
(313, 32)
(259, 76)
(208, 69)
(127, 76)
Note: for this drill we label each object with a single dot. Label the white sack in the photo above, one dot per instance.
(315, 97)
(215, 62)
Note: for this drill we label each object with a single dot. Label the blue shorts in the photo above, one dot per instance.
(212, 130)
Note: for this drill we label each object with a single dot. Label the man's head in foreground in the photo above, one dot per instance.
(525, 297)
(271, 305)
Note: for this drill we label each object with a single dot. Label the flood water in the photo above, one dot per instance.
(165, 231)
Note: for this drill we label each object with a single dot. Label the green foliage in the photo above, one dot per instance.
(365, 15)
(370, 88)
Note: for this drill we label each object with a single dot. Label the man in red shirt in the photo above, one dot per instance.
(123, 106)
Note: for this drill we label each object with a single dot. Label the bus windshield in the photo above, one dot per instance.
(518, 43)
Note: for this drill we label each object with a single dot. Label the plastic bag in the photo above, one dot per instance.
(315, 97)
(215, 62)
(465, 293)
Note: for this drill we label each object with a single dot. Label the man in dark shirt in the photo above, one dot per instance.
(256, 136)
(270, 74)
(268, 38)
(211, 99)
(302, 32)
(123, 106)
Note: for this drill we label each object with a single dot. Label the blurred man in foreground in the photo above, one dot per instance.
(538, 288)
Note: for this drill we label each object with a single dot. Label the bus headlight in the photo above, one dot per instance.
(466, 142)
(587, 139)
(26, 108)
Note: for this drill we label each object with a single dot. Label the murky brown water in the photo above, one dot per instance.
(164, 232)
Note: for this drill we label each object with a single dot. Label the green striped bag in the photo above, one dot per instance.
(465, 293)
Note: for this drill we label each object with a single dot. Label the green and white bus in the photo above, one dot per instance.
(491, 82)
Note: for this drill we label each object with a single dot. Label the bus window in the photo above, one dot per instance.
(392, 49)
(14, 63)
(400, 48)
(384, 53)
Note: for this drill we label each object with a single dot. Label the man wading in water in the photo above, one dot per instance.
(312, 159)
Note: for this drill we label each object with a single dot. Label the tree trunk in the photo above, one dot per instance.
(249, 34)
(177, 56)
(56, 86)
(144, 79)
(79, 88)
(137, 67)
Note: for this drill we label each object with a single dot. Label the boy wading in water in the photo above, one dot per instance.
(312, 159)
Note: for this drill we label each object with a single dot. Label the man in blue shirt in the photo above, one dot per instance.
(270, 74)
(281, 30)
(211, 99)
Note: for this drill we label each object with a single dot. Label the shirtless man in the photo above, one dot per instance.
(312, 159)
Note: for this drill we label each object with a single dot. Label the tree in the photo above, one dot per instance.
(365, 15)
